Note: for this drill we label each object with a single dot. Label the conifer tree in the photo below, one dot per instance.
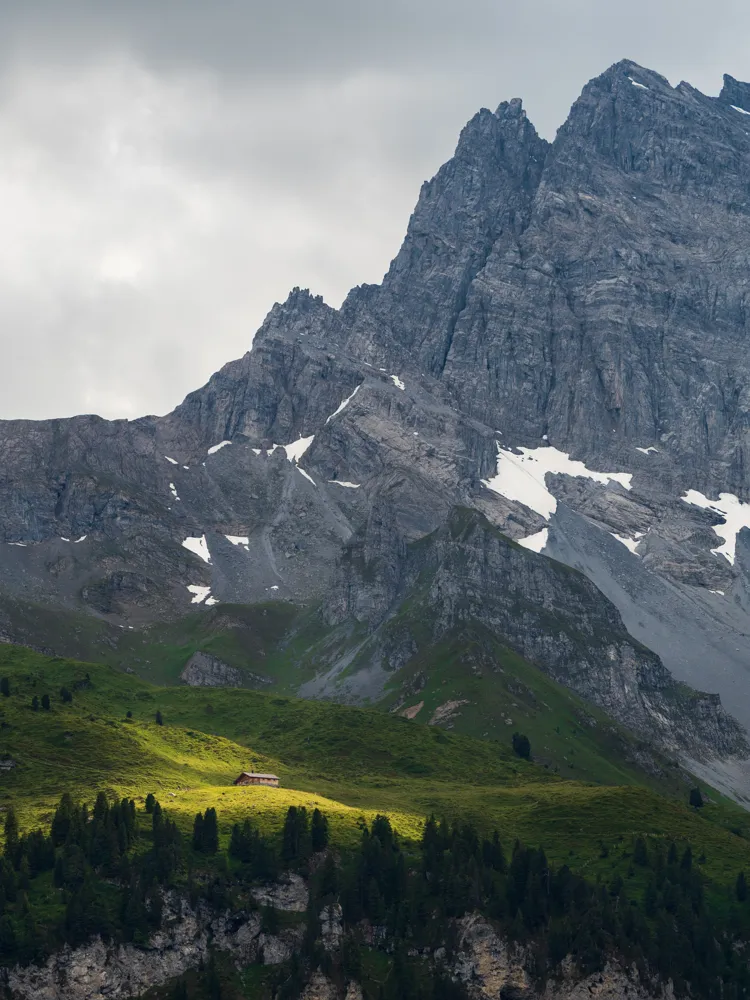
(198, 832)
(521, 746)
(5, 687)
(62, 820)
(640, 852)
(210, 832)
(741, 887)
(319, 831)
(35, 704)
(11, 836)
(45, 702)
(295, 841)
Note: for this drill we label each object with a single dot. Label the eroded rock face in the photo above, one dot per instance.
(468, 572)
(97, 970)
(331, 926)
(489, 969)
(290, 894)
(204, 670)
(488, 966)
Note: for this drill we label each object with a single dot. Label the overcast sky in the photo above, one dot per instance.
(170, 168)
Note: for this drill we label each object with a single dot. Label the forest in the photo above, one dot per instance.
(103, 870)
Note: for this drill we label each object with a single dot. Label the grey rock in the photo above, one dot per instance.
(469, 572)
(204, 670)
(490, 967)
(289, 894)
(98, 969)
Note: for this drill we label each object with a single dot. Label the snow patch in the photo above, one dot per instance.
(343, 404)
(81, 539)
(648, 451)
(217, 447)
(297, 449)
(173, 490)
(305, 474)
(397, 382)
(294, 452)
(535, 542)
(198, 547)
(719, 592)
(201, 593)
(172, 460)
(522, 478)
(238, 540)
(21, 545)
(211, 601)
(636, 84)
(64, 539)
(274, 587)
(629, 543)
(735, 513)
(256, 451)
(341, 482)
(741, 110)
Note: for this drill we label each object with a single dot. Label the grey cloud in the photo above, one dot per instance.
(170, 169)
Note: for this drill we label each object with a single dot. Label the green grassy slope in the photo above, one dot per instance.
(351, 762)
(473, 684)
(246, 636)
(488, 682)
(468, 682)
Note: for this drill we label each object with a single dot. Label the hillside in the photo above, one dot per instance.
(352, 760)
(602, 850)
(475, 683)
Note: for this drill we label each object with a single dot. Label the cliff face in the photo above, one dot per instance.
(98, 970)
(468, 572)
(486, 965)
(583, 300)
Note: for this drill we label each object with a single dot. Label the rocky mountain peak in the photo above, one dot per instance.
(735, 93)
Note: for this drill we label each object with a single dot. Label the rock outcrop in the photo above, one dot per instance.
(486, 965)
(489, 968)
(97, 970)
(204, 670)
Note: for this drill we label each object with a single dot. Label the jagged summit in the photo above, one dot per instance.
(736, 93)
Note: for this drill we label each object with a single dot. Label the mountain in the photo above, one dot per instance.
(533, 431)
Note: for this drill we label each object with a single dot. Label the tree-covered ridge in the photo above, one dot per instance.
(104, 871)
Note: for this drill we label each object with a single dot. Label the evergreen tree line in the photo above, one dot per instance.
(104, 885)
(110, 865)
(107, 886)
(666, 931)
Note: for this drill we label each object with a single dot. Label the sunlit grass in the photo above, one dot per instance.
(348, 762)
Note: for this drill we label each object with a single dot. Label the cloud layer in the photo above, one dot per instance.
(168, 171)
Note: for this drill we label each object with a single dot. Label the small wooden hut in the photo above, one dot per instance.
(253, 778)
